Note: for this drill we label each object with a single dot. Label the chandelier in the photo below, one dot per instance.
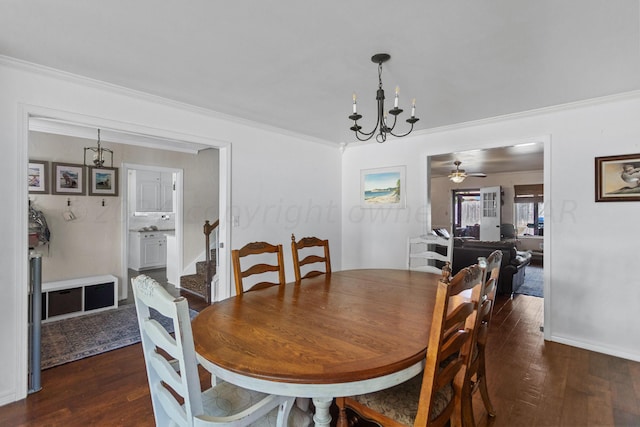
(382, 125)
(98, 154)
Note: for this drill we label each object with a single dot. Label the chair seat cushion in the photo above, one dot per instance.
(400, 403)
(226, 399)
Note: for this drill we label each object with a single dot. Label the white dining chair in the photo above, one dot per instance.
(224, 404)
(422, 252)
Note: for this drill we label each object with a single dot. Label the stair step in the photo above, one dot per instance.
(201, 268)
(194, 283)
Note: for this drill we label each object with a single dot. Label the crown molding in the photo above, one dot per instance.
(145, 96)
(622, 96)
(635, 94)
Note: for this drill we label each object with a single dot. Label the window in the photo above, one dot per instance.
(467, 208)
(528, 209)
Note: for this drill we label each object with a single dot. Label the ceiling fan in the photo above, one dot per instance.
(458, 175)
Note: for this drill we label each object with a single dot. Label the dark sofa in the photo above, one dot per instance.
(512, 269)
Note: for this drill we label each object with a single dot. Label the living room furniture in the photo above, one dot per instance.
(533, 244)
(507, 231)
(433, 397)
(340, 334)
(222, 404)
(514, 262)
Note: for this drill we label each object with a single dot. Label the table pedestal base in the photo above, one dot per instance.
(322, 417)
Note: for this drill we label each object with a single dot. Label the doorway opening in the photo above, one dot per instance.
(458, 206)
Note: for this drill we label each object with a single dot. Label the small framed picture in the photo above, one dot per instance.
(68, 178)
(103, 181)
(382, 188)
(38, 177)
(618, 178)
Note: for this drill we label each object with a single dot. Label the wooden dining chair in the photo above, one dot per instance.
(475, 373)
(174, 383)
(432, 398)
(259, 252)
(305, 246)
(423, 254)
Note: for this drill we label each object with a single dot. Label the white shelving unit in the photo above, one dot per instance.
(75, 297)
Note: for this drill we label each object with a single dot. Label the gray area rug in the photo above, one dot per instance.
(72, 339)
(533, 282)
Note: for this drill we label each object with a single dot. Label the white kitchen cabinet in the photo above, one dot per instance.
(147, 250)
(153, 191)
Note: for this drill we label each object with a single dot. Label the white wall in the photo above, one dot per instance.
(593, 294)
(288, 172)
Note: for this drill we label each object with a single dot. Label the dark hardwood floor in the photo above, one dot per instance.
(531, 382)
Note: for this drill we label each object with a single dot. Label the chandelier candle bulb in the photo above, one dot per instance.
(354, 103)
(396, 100)
(413, 108)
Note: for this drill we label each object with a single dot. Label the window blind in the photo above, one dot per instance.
(531, 193)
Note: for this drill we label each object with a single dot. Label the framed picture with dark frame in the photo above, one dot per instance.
(383, 187)
(618, 178)
(38, 177)
(103, 181)
(68, 178)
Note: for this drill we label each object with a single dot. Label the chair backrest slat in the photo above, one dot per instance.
(171, 406)
(160, 337)
(166, 373)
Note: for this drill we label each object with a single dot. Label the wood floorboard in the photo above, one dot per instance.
(531, 383)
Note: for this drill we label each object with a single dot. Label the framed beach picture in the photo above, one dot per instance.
(38, 177)
(103, 181)
(618, 178)
(68, 178)
(383, 188)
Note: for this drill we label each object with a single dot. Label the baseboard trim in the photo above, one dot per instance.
(597, 348)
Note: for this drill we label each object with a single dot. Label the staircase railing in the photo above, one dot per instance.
(208, 229)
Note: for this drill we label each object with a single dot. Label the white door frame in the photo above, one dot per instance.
(179, 209)
(545, 139)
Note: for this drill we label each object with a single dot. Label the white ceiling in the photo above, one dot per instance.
(519, 158)
(294, 64)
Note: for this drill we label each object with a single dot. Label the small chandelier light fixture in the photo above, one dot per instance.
(98, 154)
(382, 126)
(457, 175)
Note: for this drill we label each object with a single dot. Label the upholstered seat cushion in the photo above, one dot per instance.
(400, 403)
(225, 399)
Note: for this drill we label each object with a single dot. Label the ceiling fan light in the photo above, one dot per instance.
(457, 178)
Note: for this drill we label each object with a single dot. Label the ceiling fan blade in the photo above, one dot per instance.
(477, 174)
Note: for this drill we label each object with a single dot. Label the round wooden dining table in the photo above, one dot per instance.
(344, 333)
